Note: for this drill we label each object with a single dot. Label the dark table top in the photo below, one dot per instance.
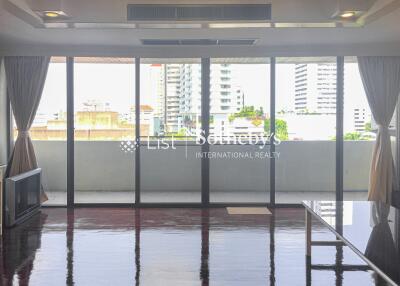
(370, 229)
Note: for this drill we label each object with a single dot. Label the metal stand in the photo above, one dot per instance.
(338, 267)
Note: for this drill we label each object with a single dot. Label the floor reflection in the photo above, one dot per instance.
(122, 246)
(19, 250)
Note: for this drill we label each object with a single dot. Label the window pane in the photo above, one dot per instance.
(306, 124)
(104, 130)
(239, 127)
(49, 133)
(170, 101)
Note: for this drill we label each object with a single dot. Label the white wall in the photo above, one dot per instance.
(302, 166)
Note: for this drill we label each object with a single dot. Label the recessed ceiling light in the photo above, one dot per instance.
(347, 14)
(51, 14)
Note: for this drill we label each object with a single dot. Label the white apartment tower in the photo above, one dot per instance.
(167, 91)
(190, 92)
(361, 117)
(172, 96)
(179, 95)
(157, 89)
(315, 88)
(225, 98)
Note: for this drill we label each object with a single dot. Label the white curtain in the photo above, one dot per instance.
(3, 116)
(25, 77)
(381, 80)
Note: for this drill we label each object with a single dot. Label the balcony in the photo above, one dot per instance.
(106, 174)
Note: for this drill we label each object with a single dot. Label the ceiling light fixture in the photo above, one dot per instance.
(347, 11)
(51, 14)
(51, 10)
(347, 14)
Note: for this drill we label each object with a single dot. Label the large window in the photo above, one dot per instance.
(239, 129)
(49, 133)
(104, 111)
(306, 124)
(173, 166)
(170, 108)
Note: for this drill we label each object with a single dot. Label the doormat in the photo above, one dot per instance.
(248, 211)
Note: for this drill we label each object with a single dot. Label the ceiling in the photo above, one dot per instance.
(22, 32)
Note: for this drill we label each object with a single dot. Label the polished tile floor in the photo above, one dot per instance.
(294, 197)
(123, 246)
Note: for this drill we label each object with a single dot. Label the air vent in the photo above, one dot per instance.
(229, 12)
(198, 42)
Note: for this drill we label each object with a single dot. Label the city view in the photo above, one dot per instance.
(171, 101)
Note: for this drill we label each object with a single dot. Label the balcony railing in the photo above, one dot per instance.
(302, 166)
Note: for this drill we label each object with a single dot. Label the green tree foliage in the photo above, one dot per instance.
(355, 136)
(280, 128)
(257, 117)
(248, 112)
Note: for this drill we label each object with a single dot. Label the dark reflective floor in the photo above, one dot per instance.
(373, 228)
(122, 246)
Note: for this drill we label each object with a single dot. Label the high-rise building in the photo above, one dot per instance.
(167, 91)
(172, 78)
(157, 89)
(315, 88)
(361, 116)
(225, 98)
(190, 96)
(178, 92)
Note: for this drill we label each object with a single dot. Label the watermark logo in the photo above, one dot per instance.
(129, 146)
(229, 155)
(259, 141)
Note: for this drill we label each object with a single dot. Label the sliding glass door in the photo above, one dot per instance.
(170, 108)
(198, 130)
(104, 122)
(239, 130)
(49, 133)
(306, 125)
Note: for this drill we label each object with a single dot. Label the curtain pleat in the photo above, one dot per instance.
(25, 77)
(381, 80)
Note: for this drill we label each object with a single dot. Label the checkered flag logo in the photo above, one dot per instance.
(129, 146)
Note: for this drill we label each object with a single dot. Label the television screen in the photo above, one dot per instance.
(27, 195)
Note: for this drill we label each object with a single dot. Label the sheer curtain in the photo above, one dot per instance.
(25, 77)
(381, 80)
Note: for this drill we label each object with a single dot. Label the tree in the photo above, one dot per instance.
(248, 112)
(257, 117)
(355, 136)
(368, 127)
(280, 128)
